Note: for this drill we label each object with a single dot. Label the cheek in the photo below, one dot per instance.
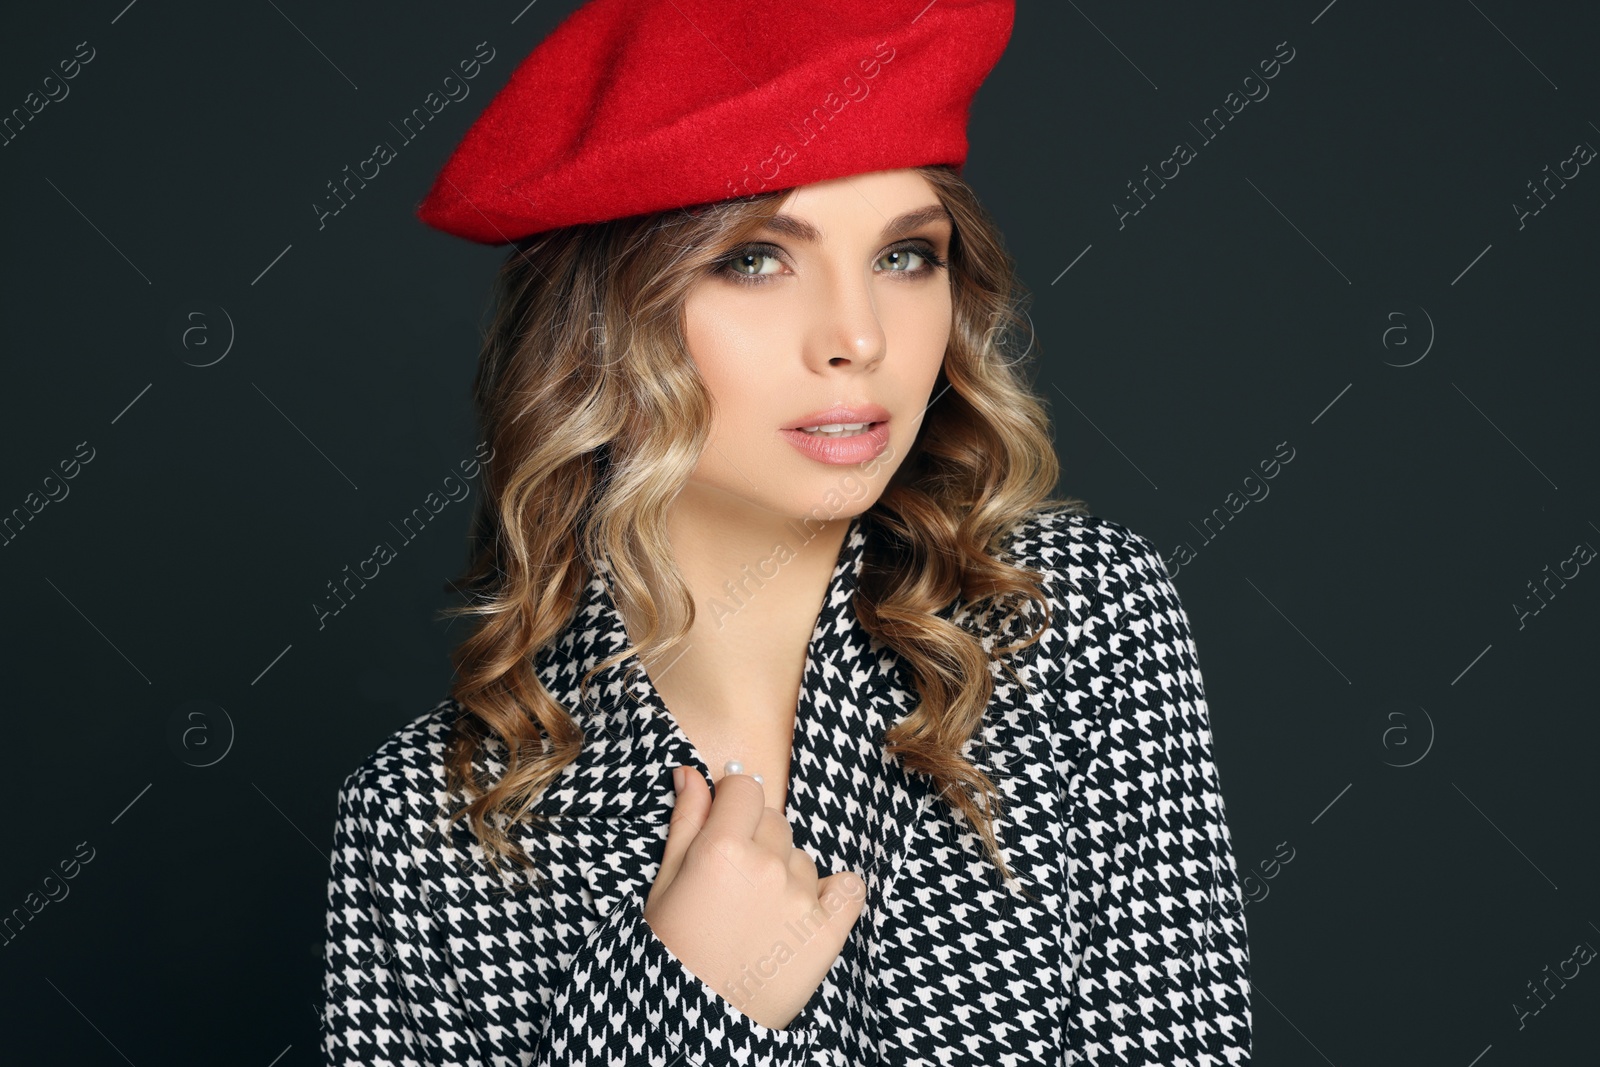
(921, 332)
(739, 406)
(725, 341)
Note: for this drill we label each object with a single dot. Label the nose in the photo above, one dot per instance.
(846, 332)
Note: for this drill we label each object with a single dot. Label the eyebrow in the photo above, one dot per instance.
(802, 230)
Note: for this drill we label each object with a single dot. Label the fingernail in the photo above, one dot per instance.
(677, 779)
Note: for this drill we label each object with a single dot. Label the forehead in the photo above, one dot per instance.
(899, 189)
(886, 202)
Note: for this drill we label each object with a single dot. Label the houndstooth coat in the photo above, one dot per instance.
(1128, 946)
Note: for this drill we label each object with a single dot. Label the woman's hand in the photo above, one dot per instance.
(741, 907)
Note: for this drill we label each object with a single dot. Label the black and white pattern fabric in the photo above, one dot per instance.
(1124, 943)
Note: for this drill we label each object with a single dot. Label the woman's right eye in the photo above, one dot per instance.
(752, 264)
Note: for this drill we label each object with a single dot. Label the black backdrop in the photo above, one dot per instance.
(1348, 272)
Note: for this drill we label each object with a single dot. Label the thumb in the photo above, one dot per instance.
(689, 814)
(842, 897)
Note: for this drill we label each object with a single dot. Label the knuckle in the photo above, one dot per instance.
(772, 819)
(770, 872)
(710, 843)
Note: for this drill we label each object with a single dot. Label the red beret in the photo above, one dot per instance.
(631, 106)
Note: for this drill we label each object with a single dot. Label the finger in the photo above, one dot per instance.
(841, 897)
(803, 871)
(774, 833)
(754, 778)
(737, 807)
(689, 813)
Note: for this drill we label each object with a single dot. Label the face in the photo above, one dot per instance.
(841, 305)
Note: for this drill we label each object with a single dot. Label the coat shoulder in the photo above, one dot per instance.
(1081, 553)
(1090, 566)
(404, 775)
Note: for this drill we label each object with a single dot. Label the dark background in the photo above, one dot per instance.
(1341, 271)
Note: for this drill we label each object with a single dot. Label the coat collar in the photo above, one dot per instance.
(850, 806)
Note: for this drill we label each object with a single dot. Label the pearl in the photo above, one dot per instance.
(733, 766)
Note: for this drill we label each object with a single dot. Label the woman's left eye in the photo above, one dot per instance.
(905, 258)
(919, 258)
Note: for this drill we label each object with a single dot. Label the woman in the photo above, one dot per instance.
(800, 725)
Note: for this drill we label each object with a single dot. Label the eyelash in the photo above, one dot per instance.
(725, 266)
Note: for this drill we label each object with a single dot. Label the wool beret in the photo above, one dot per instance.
(632, 106)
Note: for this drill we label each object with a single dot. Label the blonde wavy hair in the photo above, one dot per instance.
(596, 415)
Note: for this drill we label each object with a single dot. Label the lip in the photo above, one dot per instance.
(862, 447)
(840, 413)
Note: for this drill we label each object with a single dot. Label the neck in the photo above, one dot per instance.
(757, 579)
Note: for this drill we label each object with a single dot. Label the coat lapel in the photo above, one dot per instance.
(850, 807)
(609, 808)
